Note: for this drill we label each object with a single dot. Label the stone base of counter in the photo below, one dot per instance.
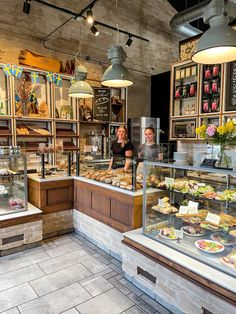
(58, 223)
(178, 292)
(20, 231)
(103, 236)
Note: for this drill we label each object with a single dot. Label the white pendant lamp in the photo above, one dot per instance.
(116, 75)
(217, 44)
(81, 89)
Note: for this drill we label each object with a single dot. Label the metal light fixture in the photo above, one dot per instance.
(218, 43)
(26, 7)
(129, 41)
(89, 18)
(116, 75)
(81, 89)
(94, 30)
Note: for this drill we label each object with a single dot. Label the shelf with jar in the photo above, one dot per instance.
(184, 89)
(65, 106)
(211, 89)
(183, 128)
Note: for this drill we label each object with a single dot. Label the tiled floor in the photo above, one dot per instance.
(69, 275)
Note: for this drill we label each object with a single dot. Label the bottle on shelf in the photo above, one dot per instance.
(2, 109)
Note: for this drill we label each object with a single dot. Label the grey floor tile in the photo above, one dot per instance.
(71, 311)
(110, 302)
(61, 240)
(15, 296)
(79, 237)
(142, 304)
(60, 279)
(116, 268)
(11, 311)
(110, 274)
(23, 261)
(68, 246)
(116, 262)
(131, 287)
(88, 249)
(56, 302)
(120, 276)
(64, 261)
(134, 310)
(94, 265)
(79, 242)
(96, 286)
(101, 258)
(119, 285)
(20, 276)
(157, 306)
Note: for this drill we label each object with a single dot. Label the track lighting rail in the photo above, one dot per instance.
(80, 14)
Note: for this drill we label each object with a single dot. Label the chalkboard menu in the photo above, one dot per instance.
(102, 104)
(231, 83)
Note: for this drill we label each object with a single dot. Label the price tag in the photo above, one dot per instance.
(213, 218)
(183, 209)
(169, 181)
(192, 207)
(179, 234)
(161, 202)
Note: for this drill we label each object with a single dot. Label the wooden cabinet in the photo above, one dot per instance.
(119, 210)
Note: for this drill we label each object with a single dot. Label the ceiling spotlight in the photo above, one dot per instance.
(26, 7)
(94, 30)
(129, 41)
(90, 17)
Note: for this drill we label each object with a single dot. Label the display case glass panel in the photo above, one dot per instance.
(184, 90)
(5, 99)
(13, 184)
(65, 106)
(192, 210)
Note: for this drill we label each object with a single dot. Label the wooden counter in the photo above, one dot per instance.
(119, 209)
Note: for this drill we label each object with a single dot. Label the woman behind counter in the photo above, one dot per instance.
(121, 147)
(150, 150)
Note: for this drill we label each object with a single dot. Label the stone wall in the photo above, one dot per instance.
(149, 19)
(57, 223)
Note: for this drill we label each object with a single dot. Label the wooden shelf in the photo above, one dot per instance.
(65, 133)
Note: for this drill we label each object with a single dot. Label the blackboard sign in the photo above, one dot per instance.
(209, 163)
(102, 104)
(231, 82)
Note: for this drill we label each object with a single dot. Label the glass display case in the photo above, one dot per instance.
(184, 94)
(193, 211)
(5, 99)
(13, 184)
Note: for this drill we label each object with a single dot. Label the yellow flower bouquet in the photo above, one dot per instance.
(222, 135)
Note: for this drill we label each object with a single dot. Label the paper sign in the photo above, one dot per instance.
(161, 202)
(183, 209)
(169, 181)
(193, 204)
(213, 218)
(179, 234)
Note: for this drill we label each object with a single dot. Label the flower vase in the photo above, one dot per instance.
(225, 157)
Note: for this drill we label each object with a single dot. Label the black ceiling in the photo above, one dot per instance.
(181, 5)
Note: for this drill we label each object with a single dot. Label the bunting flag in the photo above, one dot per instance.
(50, 77)
(7, 69)
(58, 80)
(17, 71)
(34, 77)
(73, 80)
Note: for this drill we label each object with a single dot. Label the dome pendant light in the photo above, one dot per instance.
(81, 89)
(116, 75)
(217, 45)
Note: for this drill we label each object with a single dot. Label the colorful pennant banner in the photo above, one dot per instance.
(58, 80)
(7, 69)
(50, 77)
(34, 77)
(16, 71)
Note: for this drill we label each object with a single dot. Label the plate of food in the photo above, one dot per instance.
(209, 246)
(223, 238)
(168, 233)
(193, 231)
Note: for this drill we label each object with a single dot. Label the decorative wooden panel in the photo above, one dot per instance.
(101, 203)
(121, 212)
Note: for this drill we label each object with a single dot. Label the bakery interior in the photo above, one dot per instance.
(60, 109)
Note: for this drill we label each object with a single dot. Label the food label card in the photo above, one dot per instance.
(179, 234)
(169, 181)
(213, 218)
(183, 209)
(161, 202)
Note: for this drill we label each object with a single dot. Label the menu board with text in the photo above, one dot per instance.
(231, 99)
(101, 104)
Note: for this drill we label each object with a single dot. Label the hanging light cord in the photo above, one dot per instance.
(117, 23)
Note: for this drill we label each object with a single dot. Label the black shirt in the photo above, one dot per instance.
(118, 152)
